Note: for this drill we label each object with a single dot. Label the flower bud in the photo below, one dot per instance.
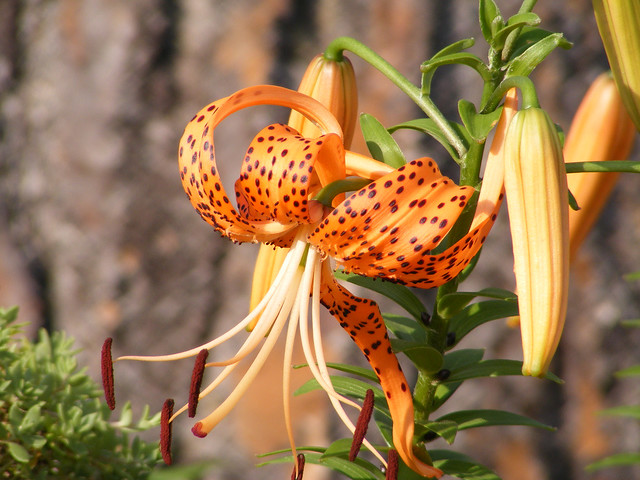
(601, 130)
(619, 26)
(536, 188)
(332, 83)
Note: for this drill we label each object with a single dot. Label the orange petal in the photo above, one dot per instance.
(361, 318)
(389, 228)
(278, 172)
(198, 168)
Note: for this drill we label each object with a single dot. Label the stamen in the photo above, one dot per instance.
(392, 466)
(165, 430)
(106, 363)
(196, 381)
(211, 420)
(361, 425)
(293, 258)
(298, 468)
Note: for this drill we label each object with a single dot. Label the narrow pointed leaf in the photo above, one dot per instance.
(396, 292)
(632, 411)
(380, 143)
(453, 303)
(526, 62)
(446, 429)
(466, 419)
(478, 125)
(628, 372)
(492, 368)
(461, 466)
(425, 358)
(488, 12)
(617, 460)
(480, 313)
(519, 20)
(405, 328)
(429, 127)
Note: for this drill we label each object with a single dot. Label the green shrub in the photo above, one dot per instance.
(52, 420)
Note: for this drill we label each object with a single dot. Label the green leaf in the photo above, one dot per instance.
(628, 372)
(617, 460)
(396, 292)
(443, 392)
(427, 75)
(466, 419)
(446, 429)
(525, 63)
(339, 448)
(358, 470)
(193, 471)
(479, 125)
(429, 127)
(492, 368)
(635, 323)
(349, 387)
(31, 419)
(480, 313)
(405, 328)
(489, 12)
(452, 303)
(463, 358)
(519, 20)
(18, 452)
(425, 358)
(632, 411)
(365, 373)
(380, 143)
(461, 466)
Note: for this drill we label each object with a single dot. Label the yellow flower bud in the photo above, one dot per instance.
(601, 130)
(536, 187)
(619, 26)
(332, 83)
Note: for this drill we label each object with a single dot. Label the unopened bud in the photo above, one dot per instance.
(537, 198)
(601, 130)
(619, 26)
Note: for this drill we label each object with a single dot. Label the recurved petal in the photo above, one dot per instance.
(361, 318)
(389, 228)
(198, 168)
(280, 173)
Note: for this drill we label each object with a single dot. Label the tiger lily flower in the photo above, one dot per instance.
(333, 84)
(601, 130)
(387, 229)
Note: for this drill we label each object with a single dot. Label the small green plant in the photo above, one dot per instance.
(52, 420)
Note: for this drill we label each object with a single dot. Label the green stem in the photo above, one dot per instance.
(626, 166)
(527, 6)
(526, 86)
(326, 195)
(335, 52)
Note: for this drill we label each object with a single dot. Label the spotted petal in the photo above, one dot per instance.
(389, 228)
(282, 169)
(361, 318)
(198, 169)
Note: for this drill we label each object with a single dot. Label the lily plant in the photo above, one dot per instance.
(322, 211)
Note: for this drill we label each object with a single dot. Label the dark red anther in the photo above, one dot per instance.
(165, 430)
(106, 363)
(196, 381)
(361, 425)
(392, 466)
(298, 469)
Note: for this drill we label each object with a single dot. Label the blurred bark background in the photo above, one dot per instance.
(98, 239)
